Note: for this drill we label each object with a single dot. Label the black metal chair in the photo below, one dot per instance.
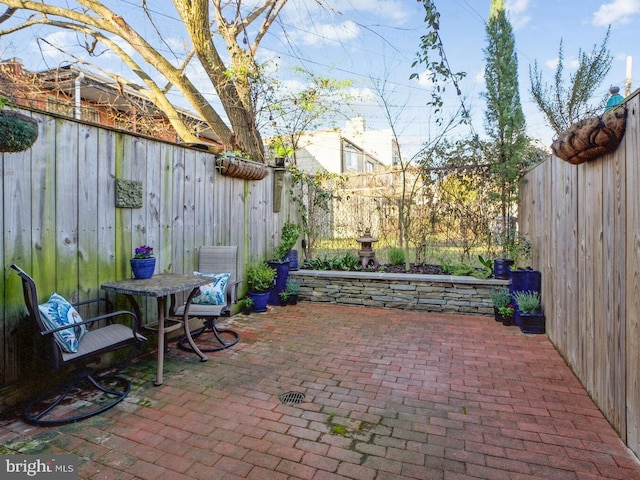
(73, 401)
(219, 259)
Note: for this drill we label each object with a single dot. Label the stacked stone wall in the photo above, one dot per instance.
(429, 293)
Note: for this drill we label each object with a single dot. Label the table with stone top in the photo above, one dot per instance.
(163, 287)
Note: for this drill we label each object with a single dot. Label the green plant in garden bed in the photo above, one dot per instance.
(347, 262)
(396, 256)
(462, 269)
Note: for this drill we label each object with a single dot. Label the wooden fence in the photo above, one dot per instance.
(584, 223)
(60, 222)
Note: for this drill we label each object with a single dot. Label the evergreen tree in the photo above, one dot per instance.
(504, 120)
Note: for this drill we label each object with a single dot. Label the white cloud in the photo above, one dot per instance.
(518, 13)
(618, 11)
(322, 33)
(479, 76)
(393, 10)
(363, 95)
(313, 23)
(55, 44)
(570, 63)
(424, 79)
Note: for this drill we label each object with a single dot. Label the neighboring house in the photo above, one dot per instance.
(77, 93)
(348, 150)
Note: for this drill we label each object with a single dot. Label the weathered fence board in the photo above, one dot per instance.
(632, 278)
(584, 221)
(61, 224)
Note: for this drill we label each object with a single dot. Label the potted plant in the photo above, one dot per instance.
(280, 263)
(246, 305)
(17, 131)
(500, 297)
(529, 310)
(284, 298)
(281, 150)
(143, 262)
(507, 314)
(292, 289)
(260, 277)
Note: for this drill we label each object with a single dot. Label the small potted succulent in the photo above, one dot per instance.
(143, 262)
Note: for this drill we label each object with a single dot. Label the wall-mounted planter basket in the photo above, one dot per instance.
(17, 131)
(591, 137)
(241, 168)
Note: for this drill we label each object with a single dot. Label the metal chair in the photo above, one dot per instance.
(56, 406)
(215, 260)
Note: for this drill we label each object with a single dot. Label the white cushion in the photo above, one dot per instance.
(58, 312)
(213, 293)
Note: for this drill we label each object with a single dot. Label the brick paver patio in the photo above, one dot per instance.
(388, 395)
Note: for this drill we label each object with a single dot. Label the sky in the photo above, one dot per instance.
(375, 42)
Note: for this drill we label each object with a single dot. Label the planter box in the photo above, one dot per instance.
(532, 323)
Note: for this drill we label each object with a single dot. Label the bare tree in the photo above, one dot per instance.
(233, 74)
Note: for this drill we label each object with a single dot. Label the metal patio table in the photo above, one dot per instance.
(163, 287)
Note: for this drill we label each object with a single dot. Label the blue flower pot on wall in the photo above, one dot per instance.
(143, 267)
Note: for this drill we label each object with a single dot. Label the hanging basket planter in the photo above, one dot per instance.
(17, 131)
(591, 137)
(238, 167)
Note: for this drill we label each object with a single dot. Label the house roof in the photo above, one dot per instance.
(103, 90)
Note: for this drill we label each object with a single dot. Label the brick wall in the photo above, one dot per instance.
(428, 293)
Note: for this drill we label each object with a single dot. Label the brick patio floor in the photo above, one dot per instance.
(388, 395)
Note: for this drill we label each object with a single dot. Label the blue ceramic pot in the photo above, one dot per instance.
(143, 267)
(260, 300)
(282, 273)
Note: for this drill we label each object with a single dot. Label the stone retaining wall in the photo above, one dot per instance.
(428, 293)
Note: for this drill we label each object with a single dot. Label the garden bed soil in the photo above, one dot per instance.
(421, 268)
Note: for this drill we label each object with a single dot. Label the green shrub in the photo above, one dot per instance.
(260, 277)
(500, 297)
(527, 301)
(396, 256)
(347, 262)
(292, 287)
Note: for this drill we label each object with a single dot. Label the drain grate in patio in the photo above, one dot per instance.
(291, 398)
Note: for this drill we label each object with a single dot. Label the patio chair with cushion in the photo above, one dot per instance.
(215, 299)
(78, 343)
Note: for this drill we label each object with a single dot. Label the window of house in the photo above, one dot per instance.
(369, 167)
(350, 158)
